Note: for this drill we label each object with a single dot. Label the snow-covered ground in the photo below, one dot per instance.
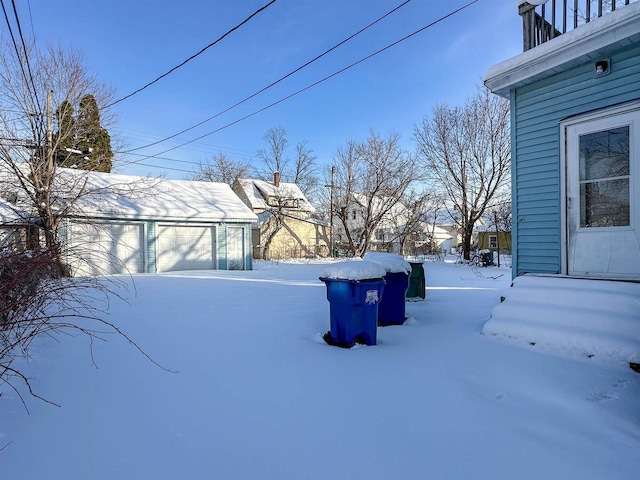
(259, 395)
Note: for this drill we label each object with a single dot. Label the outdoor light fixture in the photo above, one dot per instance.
(602, 68)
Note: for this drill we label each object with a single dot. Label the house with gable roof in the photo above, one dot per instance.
(285, 228)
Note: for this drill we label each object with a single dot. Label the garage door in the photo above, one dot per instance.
(183, 247)
(106, 248)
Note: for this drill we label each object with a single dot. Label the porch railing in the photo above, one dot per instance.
(554, 17)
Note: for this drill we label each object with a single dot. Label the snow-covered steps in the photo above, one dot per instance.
(591, 318)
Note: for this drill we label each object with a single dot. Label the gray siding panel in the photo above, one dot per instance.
(222, 246)
(152, 253)
(248, 246)
(539, 109)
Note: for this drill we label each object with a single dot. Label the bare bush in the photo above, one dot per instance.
(34, 301)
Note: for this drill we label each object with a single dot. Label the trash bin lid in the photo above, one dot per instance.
(391, 262)
(354, 270)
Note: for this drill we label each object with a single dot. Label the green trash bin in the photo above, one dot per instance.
(417, 284)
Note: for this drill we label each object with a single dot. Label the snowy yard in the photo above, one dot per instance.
(259, 395)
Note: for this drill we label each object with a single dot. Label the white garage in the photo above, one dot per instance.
(185, 247)
(127, 224)
(101, 248)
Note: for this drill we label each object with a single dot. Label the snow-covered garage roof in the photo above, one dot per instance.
(12, 216)
(127, 196)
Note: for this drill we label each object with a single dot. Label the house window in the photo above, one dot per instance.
(604, 178)
(493, 241)
(354, 214)
(291, 203)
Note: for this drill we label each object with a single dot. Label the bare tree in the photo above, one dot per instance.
(411, 229)
(302, 170)
(221, 169)
(34, 84)
(305, 173)
(35, 298)
(371, 178)
(274, 155)
(466, 151)
(499, 221)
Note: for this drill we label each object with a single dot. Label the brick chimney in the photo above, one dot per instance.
(276, 179)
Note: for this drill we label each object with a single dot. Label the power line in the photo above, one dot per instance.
(163, 167)
(26, 55)
(194, 55)
(276, 82)
(191, 162)
(342, 70)
(20, 59)
(202, 147)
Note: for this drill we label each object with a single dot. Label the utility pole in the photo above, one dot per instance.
(49, 147)
(331, 186)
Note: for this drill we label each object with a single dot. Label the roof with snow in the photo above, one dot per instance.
(108, 195)
(10, 215)
(129, 196)
(258, 192)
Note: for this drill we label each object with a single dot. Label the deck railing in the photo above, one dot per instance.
(554, 17)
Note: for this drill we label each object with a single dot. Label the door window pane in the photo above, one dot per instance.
(604, 178)
(604, 154)
(604, 204)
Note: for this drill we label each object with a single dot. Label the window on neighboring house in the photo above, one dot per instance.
(493, 241)
(379, 234)
(291, 203)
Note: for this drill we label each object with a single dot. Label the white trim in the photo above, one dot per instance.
(554, 55)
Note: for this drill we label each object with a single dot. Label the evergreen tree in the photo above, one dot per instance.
(64, 136)
(83, 134)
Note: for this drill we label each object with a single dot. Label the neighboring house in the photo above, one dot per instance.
(399, 230)
(446, 220)
(386, 237)
(428, 239)
(128, 224)
(285, 227)
(489, 239)
(575, 108)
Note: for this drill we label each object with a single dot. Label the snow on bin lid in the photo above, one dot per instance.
(391, 262)
(354, 270)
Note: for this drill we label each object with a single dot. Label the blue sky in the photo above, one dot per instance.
(127, 44)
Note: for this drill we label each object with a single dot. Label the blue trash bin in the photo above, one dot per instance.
(397, 273)
(353, 302)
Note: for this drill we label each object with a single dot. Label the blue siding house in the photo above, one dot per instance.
(575, 126)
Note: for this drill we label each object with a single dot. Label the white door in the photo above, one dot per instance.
(603, 196)
(182, 247)
(235, 248)
(106, 248)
